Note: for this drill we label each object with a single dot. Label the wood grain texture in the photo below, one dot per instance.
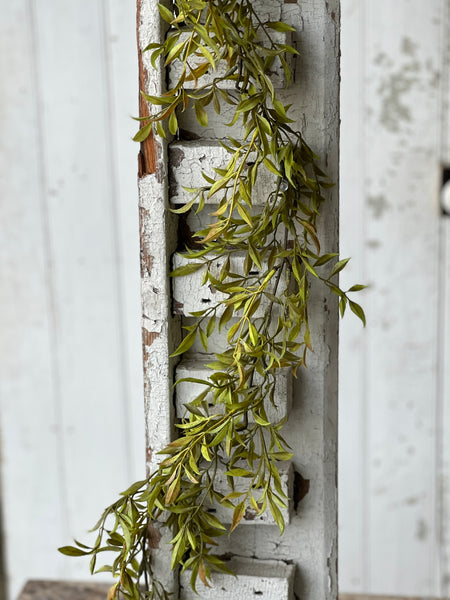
(193, 366)
(69, 380)
(31, 439)
(188, 160)
(311, 430)
(277, 74)
(443, 414)
(160, 330)
(353, 425)
(63, 590)
(310, 541)
(268, 580)
(389, 428)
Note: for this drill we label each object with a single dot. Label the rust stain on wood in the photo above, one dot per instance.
(148, 337)
(147, 154)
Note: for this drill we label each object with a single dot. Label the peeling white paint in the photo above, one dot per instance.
(268, 580)
(194, 367)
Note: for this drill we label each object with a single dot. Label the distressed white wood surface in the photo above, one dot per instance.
(71, 387)
(389, 392)
(311, 429)
(310, 540)
(268, 580)
(444, 330)
(189, 159)
(251, 518)
(27, 335)
(353, 425)
(190, 295)
(160, 329)
(194, 366)
(276, 72)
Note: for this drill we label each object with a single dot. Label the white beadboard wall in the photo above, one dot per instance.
(70, 351)
(71, 413)
(394, 390)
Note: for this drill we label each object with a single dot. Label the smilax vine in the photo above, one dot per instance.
(223, 55)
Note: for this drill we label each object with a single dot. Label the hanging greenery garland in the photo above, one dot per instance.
(224, 55)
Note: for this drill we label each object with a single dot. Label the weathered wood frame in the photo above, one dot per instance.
(310, 542)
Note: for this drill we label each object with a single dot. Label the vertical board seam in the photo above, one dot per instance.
(117, 242)
(49, 274)
(440, 526)
(363, 32)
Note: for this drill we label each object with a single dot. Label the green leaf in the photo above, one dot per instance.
(357, 288)
(282, 455)
(72, 551)
(143, 133)
(226, 316)
(186, 207)
(213, 521)
(134, 488)
(238, 514)
(309, 267)
(157, 100)
(237, 472)
(276, 513)
(201, 114)
(165, 13)
(271, 167)
(203, 339)
(339, 266)
(211, 326)
(206, 453)
(207, 54)
(173, 123)
(187, 269)
(278, 26)
(185, 344)
(322, 260)
(248, 104)
(359, 312)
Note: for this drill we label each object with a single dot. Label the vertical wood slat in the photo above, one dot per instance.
(78, 188)
(121, 55)
(27, 366)
(313, 424)
(158, 242)
(401, 61)
(58, 443)
(353, 426)
(443, 420)
(402, 194)
(310, 539)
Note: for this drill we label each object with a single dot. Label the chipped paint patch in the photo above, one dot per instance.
(378, 204)
(408, 47)
(396, 85)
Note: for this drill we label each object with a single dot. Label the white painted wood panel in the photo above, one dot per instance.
(443, 415)
(391, 481)
(268, 580)
(71, 410)
(379, 546)
(29, 382)
(79, 189)
(121, 56)
(352, 337)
